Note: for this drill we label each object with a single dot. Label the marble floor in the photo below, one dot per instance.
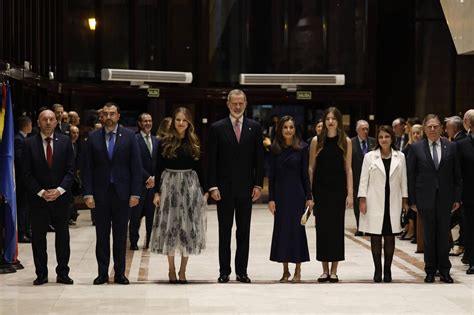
(150, 293)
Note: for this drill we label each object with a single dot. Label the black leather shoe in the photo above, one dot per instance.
(243, 279)
(446, 278)
(470, 270)
(101, 279)
(387, 277)
(223, 278)
(378, 276)
(359, 233)
(430, 278)
(24, 239)
(134, 247)
(121, 280)
(64, 280)
(41, 279)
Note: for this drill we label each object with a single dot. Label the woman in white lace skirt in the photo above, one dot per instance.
(180, 224)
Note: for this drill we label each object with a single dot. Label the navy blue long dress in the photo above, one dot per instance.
(289, 187)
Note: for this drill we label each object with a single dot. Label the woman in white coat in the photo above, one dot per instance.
(383, 192)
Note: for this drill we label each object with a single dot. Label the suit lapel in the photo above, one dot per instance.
(444, 150)
(395, 161)
(56, 148)
(378, 161)
(229, 130)
(429, 158)
(39, 142)
(103, 145)
(358, 148)
(118, 140)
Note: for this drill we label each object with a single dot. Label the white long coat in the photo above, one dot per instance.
(372, 186)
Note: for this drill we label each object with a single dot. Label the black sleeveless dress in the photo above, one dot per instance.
(330, 192)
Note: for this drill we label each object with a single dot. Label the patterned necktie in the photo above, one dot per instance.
(435, 155)
(111, 146)
(364, 147)
(148, 143)
(49, 152)
(237, 130)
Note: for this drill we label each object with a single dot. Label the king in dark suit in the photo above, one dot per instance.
(148, 145)
(434, 184)
(112, 171)
(361, 144)
(236, 180)
(48, 174)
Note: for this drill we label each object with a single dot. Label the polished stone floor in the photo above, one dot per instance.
(150, 293)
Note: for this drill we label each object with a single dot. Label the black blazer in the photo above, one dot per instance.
(235, 167)
(148, 160)
(466, 157)
(125, 167)
(459, 136)
(36, 172)
(358, 158)
(424, 179)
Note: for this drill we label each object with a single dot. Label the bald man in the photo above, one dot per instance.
(48, 174)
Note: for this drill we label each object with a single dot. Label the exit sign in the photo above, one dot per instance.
(153, 92)
(303, 95)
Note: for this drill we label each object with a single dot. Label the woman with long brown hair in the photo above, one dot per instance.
(289, 194)
(180, 218)
(330, 173)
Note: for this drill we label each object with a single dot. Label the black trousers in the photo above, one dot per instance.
(436, 223)
(55, 213)
(226, 207)
(146, 209)
(356, 209)
(23, 213)
(469, 233)
(112, 213)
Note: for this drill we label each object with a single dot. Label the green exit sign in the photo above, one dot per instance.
(303, 95)
(153, 92)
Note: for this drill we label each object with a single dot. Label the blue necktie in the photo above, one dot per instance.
(111, 146)
(364, 147)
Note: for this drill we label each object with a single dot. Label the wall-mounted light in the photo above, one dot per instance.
(92, 24)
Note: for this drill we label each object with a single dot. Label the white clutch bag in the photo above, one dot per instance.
(305, 216)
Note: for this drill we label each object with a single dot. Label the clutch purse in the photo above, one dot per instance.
(305, 216)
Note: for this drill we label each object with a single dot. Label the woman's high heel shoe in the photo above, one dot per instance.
(296, 278)
(182, 278)
(285, 277)
(172, 278)
(378, 276)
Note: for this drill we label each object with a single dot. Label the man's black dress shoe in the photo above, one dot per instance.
(223, 278)
(64, 280)
(101, 279)
(24, 239)
(41, 279)
(446, 278)
(134, 247)
(430, 278)
(6, 268)
(359, 233)
(387, 277)
(470, 270)
(121, 279)
(243, 279)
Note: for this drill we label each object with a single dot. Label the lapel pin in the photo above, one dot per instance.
(250, 128)
(120, 134)
(56, 139)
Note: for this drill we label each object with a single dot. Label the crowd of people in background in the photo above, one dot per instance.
(413, 180)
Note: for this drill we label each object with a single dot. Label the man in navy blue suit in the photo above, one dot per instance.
(48, 171)
(434, 185)
(148, 145)
(112, 185)
(236, 180)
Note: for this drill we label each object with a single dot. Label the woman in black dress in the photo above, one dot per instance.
(383, 192)
(331, 179)
(289, 195)
(180, 218)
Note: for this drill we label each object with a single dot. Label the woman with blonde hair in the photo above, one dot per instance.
(180, 217)
(330, 174)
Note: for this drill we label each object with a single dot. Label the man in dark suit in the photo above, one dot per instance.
(112, 185)
(455, 128)
(401, 138)
(236, 180)
(61, 127)
(466, 156)
(23, 209)
(48, 174)
(148, 145)
(76, 186)
(361, 144)
(434, 183)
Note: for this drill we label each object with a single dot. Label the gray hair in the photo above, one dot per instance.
(236, 92)
(455, 121)
(360, 122)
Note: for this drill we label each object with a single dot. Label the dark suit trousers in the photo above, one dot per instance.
(56, 213)
(356, 208)
(436, 224)
(469, 233)
(145, 209)
(111, 213)
(23, 213)
(226, 207)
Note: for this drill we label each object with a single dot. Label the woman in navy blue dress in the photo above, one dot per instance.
(289, 195)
